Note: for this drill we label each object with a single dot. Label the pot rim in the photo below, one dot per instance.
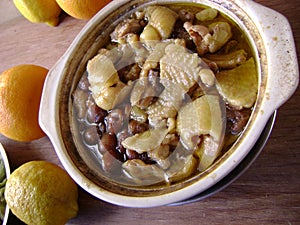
(248, 15)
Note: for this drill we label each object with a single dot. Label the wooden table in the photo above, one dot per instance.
(267, 193)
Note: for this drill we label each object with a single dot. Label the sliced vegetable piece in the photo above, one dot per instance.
(182, 168)
(143, 174)
(141, 91)
(239, 85)
(207, 77)
(146, 141)
(138, 114)
(203, 116)
(160, 156)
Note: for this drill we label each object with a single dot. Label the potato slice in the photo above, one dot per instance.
(239, 86)
(203, 116)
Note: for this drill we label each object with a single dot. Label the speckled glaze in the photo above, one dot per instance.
(270, 35)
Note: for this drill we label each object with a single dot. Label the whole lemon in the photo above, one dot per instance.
(83, 9)
(41, 193)
(20, 94)
(39, 11)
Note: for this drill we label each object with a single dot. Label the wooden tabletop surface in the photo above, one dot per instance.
(267, 193)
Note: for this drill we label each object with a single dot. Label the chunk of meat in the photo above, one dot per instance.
(197, 33)
(220, 33)
(126, 27)
(211, 38)
(237, 119)
(186, 15)
(146, 90)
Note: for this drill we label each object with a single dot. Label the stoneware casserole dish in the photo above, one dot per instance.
(271, 39)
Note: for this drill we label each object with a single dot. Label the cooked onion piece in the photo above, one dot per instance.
(207, 77)
(207, 152)
(201, 127)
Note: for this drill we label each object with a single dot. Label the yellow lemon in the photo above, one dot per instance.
(41, 193)
(39, 11)
(83, 9)
(20, 94)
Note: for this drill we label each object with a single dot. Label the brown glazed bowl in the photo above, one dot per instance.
(271, 38)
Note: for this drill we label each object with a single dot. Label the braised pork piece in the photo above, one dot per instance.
(167, 96)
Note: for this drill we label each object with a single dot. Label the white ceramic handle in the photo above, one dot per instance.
(282, 63)
(48, 112)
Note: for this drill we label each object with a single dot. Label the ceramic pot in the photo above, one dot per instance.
(271, 38)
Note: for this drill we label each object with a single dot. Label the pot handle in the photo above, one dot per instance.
(281, 56)
(48, 111)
